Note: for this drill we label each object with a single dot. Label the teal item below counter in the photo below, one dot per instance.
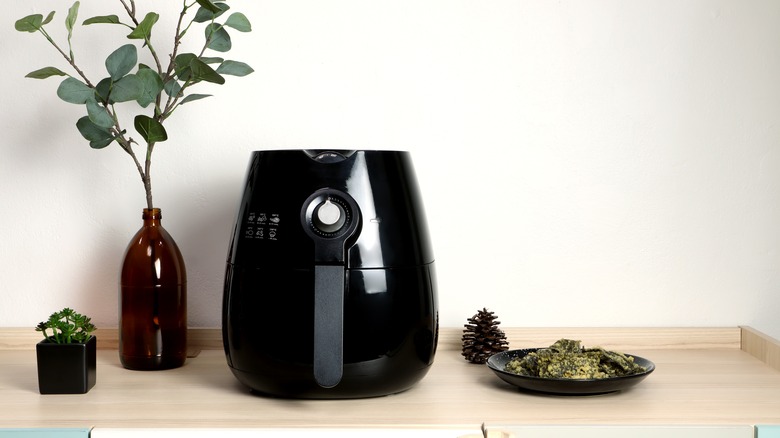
(767, 431)
(44, 433)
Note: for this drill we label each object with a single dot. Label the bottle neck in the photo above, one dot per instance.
(152, 216)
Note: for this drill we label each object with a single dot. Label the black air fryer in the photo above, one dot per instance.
(330, 288)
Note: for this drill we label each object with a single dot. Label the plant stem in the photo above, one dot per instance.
(148, 176)
(67, 58)
(145, 179)
(172, 102)
(131, 11)
(164, 114)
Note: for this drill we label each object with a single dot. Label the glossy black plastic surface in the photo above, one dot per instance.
(66, 368)
(390, 318)
(389, 331)
(393, 230)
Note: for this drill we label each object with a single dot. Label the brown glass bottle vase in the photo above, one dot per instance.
(152, 300)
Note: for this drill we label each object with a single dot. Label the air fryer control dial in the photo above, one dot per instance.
(329, 216)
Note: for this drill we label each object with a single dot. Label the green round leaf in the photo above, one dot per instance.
(151, 84)
(203, 72)
(98, 137)
(30, 23)
(193, 97)
(203, 15)
(172, 88)
(239, 22)
(70, 20)
(45, 72)
(234, 68)
(150, 129)
(208, 5)
(48, 18)
(103, 91)
(212, 59)
(127, 89)
(218, 38)
(98, 114)
(144, 29)
(182, 65)
(122, 61)
(100, 144)
(72, 90)
(102, 19)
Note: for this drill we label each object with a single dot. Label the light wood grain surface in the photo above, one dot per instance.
(709, 382)
(761, 346)
(607, 337)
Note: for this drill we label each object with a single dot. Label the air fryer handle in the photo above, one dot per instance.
(328, 325)
(331, 218)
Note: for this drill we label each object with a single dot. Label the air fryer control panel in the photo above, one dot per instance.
(261, 225)
(358, 208)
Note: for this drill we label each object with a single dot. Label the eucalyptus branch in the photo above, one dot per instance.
(147, 179)
(172, 62)
(143, 170)
(180, 33)
(130, 10)
(128, 80)
(129, 148)
(127, 145)
(67, 58)
(177, 40)
(154, 55)
(172, 102)
(209, 39)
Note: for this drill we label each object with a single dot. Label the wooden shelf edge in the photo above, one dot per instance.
(108, 339)
(619, 338)
(760, 345)
(616, 338)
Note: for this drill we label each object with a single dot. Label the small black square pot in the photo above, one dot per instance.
(66, 368)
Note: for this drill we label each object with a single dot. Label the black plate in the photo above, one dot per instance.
(498, 361)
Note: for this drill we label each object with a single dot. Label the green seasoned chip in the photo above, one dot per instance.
(566, 346)
(567, 359)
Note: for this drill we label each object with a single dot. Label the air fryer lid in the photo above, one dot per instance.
(382, 184)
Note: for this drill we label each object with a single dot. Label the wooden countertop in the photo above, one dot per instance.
(704, 376)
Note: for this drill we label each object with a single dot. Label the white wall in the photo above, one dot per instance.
(583, 162)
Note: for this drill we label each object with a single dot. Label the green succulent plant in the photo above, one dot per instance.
(164, 88)
(67, 327)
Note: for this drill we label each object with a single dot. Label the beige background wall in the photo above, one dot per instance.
(587, 163)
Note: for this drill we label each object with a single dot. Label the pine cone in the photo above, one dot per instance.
(482, 338)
